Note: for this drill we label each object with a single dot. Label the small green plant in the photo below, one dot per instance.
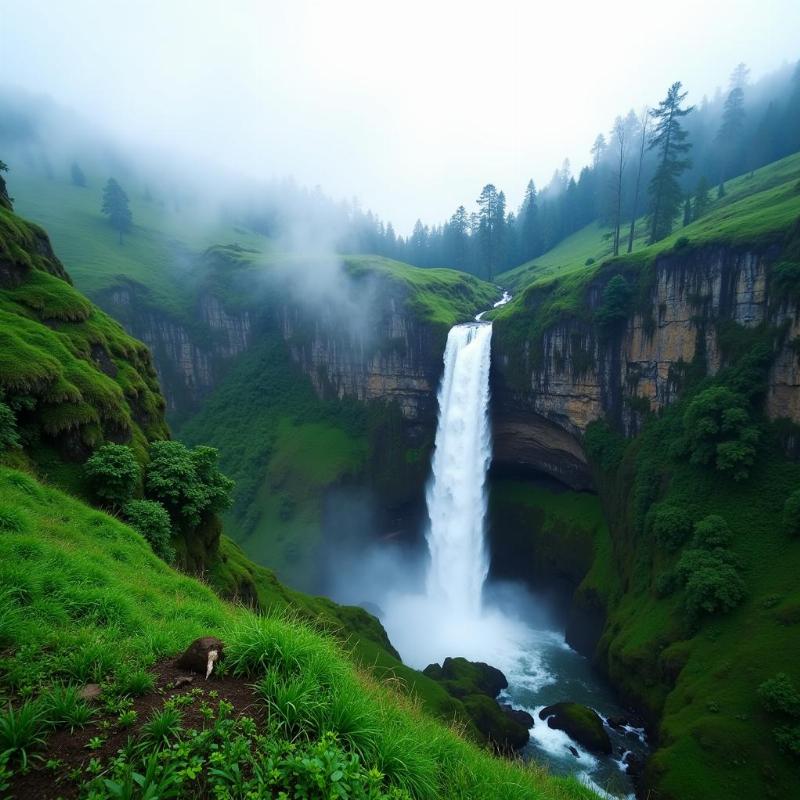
(163, 727)
(13, 520)
(64, 707)
(779, 695)
(127, 718)
(95, 743)
(133, 682)
(21, 731)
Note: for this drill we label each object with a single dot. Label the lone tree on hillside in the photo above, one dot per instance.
(643, 120)
(669, 140)
(76, 173)
(115, 207)
(729, 136)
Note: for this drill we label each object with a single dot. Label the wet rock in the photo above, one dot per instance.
(574, 751)
(502, 731)
(634, 765)
(617, 722)
(201, 655)
(183, 680)
(461, 677)
(518, 715)
(579, 723)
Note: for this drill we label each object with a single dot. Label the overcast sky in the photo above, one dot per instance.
(410, 106)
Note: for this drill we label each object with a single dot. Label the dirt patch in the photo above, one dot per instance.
(70, 752)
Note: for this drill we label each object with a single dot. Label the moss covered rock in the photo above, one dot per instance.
(462, 678)
(580, 723)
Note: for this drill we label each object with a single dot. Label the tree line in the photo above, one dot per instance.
(664, 162)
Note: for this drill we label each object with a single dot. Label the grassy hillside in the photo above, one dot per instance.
(755, 205)
(85, 600)
(160, 252)
(695, 626)
(71, 374)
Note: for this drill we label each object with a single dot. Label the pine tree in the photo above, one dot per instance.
(702, 201)
(530, 236)
(669, 140)
(687, 210)
(76, 173)
(729, 136)
(115, 207)
(489, 232)
(643, 122)
(5, 200)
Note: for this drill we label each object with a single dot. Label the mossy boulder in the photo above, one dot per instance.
(476, 685)
(501, 730)
(580, 723)
(462, 678)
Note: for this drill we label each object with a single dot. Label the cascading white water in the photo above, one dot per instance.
(456, 493)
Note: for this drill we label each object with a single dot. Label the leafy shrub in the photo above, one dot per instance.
(791, 513)
(8, 428)
(113, 473)
(787, 737)
(604, 445)
(671, 526)
(681, 243)
(163, 727)
(712, 533)
(152, 521)
(187, 482)
(711, 582)
(616, 303)
(718, 430)
(589, 261)
(778, 694)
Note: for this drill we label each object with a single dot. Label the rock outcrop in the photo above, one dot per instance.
(546, 391)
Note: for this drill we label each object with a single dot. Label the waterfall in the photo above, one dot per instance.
(456, 493)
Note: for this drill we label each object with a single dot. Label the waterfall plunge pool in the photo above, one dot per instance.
(449, 618)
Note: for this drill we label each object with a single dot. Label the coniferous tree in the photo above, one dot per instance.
(487, 232)
(687, 210)
(620, 138)
(702, 201)
(530, 238)
(644, 119)
(5, 200)
(669, 140)
(76, 174)
(115, 207)
(729, 136)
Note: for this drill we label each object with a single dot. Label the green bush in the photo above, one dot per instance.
(712, 533)
(779, 695)
(616, 303)
(152, 521)
(604, 445)
(187, 482)
(787, 737)
(113, 473)
(712, 583)
(666, 583)
(791, 513)
(8, 428)
(718, 430)
(671, 526)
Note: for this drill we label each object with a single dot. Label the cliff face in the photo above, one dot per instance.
(548, 391)
(189, 359)
(394, 358)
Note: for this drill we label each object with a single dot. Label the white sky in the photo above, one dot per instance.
(410, 106)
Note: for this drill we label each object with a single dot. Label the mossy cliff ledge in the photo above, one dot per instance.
(566, 355)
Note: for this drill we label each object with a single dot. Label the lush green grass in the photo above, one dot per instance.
(440, 296)
(69, 370)
(85, 599)
(160, 252)
(756, 207)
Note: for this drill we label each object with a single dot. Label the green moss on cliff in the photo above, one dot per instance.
(59, 357)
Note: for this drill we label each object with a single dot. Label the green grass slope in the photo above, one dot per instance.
(72, 375)
(755, 206)
(160, 252)
(84, 599)
(697, 674)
